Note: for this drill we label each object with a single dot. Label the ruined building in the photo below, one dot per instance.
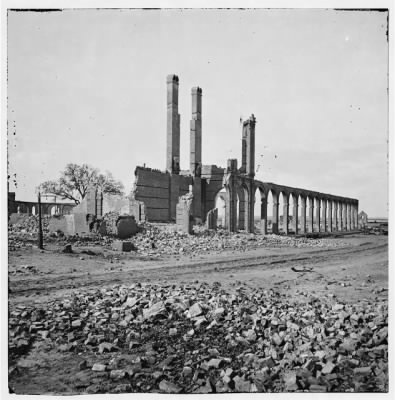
(31, 207)
(156, 193)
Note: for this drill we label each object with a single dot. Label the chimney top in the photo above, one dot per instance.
(196, 90)
(172, 78)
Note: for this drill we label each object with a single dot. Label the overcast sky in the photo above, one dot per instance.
(89, 86)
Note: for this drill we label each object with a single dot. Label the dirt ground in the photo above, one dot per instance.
(355, 271)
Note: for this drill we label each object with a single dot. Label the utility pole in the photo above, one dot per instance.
(40, 227)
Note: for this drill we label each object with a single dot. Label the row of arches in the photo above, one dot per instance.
(269, 208)
(46, 209)
(301, 213)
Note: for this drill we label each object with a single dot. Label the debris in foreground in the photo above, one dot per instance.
(197, 338)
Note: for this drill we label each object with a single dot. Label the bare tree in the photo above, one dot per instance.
(75, 180)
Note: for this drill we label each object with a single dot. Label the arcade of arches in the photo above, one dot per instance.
(303, 211)
(31, 207)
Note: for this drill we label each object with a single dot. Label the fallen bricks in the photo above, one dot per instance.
(156, 240)
(29, 224)
(162, 239)
(200, 338)
(24, 232)
(116, 225)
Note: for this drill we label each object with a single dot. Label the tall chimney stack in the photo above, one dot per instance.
(248, 147)
(196, 133)
(250, 136)
(173, 126)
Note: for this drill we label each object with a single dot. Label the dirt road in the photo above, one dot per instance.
(357, 270)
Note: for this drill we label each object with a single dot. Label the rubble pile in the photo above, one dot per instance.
(25, 232)
(156, 240)
(26, 235)
(29, 225)
(115, 225)
(163, 239)
(110, 223)
(200, 338)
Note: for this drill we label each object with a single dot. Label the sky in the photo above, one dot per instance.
(89, 86)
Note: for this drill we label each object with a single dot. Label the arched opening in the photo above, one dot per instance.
(310, 214)
(343, 213)
(323, 215)
(325, 203)
(292, 213)
(318, 215)
(326, 227)
(257, 210)
(345, 216)
(281, 212)
(33, 210)
(337, 215)
(329, 221)
(220, 205)
(349, 217)
(53, 210)
(324, 218)
(334, 215)
(270, 211)
(301, 215)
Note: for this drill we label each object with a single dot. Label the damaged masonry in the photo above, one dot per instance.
(203, 276)
(156, 193)
(159, 196)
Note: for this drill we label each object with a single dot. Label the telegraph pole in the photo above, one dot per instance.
(40, 227)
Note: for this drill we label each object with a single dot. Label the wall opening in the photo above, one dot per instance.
(257, 206)
(309, 220)
(281, 212)
(325, 223)
(291, 219)
(220, 204)
(299, 213)
(270, 211)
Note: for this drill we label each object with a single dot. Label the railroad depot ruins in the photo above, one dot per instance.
(156, 193)
(190, 196)
(196, 301)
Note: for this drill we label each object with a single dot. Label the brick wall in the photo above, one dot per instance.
(159, 191)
